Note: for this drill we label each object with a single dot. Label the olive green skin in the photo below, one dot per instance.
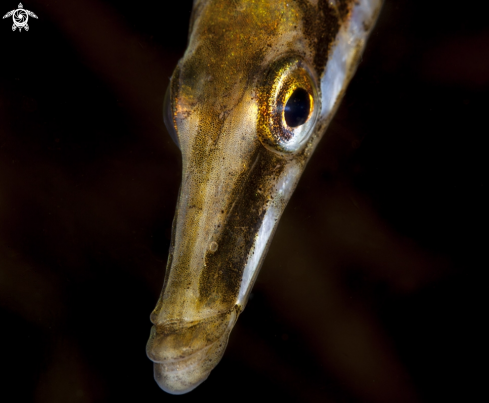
(239, 165)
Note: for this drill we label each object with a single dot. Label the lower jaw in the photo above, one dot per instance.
(176, 382)
(182, 376)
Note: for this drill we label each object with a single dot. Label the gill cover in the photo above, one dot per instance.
(247, 104)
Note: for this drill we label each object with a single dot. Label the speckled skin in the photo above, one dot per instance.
(241, 162)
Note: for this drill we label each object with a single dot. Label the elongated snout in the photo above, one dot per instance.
(184, 353)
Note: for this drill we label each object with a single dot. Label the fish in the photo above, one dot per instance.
(247, 104)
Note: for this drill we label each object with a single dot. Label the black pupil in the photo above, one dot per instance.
(298, 107)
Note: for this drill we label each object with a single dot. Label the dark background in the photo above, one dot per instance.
(374, 287)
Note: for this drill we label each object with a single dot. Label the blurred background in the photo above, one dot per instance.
(374, 287)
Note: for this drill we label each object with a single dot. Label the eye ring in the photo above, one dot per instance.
(289, 106)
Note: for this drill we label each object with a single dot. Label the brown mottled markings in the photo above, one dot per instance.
(321, 25)
(344, 7)
(243, 222)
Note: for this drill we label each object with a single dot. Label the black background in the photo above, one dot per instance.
(374, 287)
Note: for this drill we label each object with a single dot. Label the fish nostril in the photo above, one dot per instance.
(213, 246)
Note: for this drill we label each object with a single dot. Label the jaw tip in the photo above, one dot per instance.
(183, 375)
(177, 382)
(184, 357)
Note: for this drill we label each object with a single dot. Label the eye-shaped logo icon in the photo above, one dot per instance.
(20, 17)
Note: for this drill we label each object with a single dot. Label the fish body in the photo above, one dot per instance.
(247, 105)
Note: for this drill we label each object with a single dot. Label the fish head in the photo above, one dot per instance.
(245, 106)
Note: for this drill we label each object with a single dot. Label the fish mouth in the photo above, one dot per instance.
(184, 354)
(181, 376)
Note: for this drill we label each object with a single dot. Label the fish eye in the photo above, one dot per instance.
(168, 116)
(297, 108)
(289, 106)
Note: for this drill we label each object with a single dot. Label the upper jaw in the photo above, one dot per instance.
(185, 345)
(232, 195)
(173, 341)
